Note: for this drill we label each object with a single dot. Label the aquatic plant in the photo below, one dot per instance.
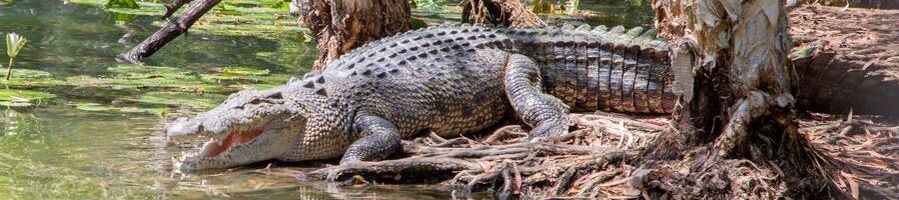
(125, 4)
(22, 98)
(426, 5)
(14, 44)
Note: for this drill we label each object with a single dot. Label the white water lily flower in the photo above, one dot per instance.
(14, 44)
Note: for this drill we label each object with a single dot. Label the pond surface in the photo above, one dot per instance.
(56, 151)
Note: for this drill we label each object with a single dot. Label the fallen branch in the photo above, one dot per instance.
(172, 29)
(174, 6)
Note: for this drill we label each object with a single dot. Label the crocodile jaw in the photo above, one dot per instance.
(267, 141)
(217, 147)
(250, 126)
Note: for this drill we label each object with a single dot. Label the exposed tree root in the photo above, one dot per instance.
(588, 162)
(598, 159)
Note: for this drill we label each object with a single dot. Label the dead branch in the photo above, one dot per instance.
(171, 30)
(174, 6)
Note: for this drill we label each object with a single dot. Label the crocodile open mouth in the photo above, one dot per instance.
(217, 147)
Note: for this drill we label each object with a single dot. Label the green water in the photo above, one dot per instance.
(56, 151)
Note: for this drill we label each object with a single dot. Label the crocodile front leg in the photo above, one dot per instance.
(381, 139)
(547, 115)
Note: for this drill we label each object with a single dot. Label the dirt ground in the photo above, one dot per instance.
(852, 59)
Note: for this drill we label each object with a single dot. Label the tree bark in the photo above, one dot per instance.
(341, 25)
(736, 83)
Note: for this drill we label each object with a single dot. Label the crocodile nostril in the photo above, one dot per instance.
(200, 128)
(276, 95)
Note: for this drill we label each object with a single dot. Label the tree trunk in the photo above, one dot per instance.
(509, 13)
(341, 25)
(735, 82)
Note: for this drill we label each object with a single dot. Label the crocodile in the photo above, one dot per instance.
(449, 79)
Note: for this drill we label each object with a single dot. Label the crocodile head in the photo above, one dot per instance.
(250, 126)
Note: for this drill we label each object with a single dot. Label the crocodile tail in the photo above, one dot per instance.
(597, 69)
(829, 82)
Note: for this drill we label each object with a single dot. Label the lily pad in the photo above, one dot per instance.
(22, 98)
(181, 98)
(135, 71)
(96, 107)
(124, 83)
(11, 94)
(123, 4)
(27, 73)
(30, 78)
(237, 73)
(243, 71)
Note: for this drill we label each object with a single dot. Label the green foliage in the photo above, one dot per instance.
(283, 4)
(806, 50)
(121, 4)
(227, 9)
(418, 23)
(635, 3)
(426, 5)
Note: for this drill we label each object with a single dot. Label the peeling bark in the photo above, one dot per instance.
(341, 25)
(737, 100)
